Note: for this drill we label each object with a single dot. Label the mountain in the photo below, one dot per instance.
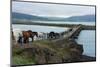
(27, 17)
(84, 18)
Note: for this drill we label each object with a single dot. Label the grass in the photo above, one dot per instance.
(22, 60)
(45, 44)
(22, 56)
(61, 52)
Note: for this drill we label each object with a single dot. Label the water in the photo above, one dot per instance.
(63, 22)
(37, 28)
(87, 39)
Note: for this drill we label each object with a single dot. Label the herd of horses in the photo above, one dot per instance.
(26, 36)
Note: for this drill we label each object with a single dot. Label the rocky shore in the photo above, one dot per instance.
(48, 52)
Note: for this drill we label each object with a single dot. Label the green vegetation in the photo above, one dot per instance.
(45, 43)
(45, 51)
(22, 60)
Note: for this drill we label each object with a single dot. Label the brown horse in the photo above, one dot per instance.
(29, 34)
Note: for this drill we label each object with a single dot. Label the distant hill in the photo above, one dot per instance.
(27, 17)
(87, 18)
(84, 18)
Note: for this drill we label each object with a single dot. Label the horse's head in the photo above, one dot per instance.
(35, 34)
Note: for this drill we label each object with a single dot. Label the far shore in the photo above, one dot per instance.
(84, 27)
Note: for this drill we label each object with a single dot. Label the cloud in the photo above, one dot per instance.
(51, 10)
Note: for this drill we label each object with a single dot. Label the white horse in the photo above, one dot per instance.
(42, 36)
(17, 33)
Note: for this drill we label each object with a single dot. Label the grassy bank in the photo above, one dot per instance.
(47, 52)
(20, 58)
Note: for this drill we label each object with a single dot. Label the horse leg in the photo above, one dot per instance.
(27, 40)
(24, 40)
(32, 39)
(55, 36)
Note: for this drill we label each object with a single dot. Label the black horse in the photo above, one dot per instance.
(53, 35)
(57, 35)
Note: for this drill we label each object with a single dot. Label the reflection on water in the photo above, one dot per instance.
(87, 39)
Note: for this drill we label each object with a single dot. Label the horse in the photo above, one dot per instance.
(57, 35)
(17, 36)
(42, 35)
(35, 35)
(29, 34)
(53, 35)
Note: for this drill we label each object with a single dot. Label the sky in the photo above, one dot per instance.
(51, 10)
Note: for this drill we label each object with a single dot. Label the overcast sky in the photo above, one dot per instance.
(51, 10)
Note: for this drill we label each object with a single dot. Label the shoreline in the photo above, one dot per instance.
(45, 53)
(65, 50)
(88, 58)
(84, 27)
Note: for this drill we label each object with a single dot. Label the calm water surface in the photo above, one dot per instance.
(87, 39)
(38, 28)
(84, 23)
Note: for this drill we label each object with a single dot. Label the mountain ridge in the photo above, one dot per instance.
(83, 18)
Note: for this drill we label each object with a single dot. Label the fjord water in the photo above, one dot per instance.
(86, 37)
(63, 22)
(37, 28)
